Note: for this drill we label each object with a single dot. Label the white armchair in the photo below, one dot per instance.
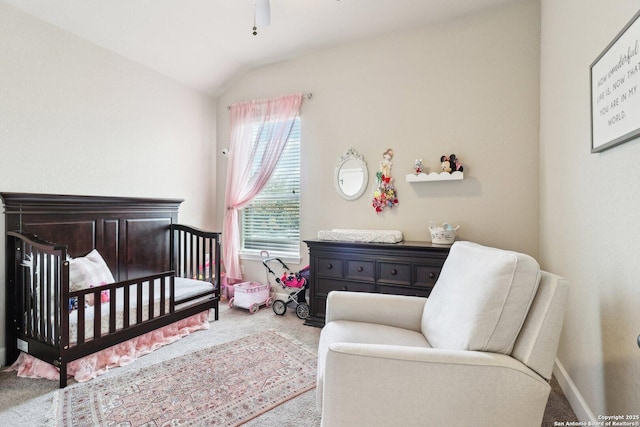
(479, 351)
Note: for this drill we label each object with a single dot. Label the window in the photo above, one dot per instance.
(271, 221)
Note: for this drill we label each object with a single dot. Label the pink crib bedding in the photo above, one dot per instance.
(98, 363)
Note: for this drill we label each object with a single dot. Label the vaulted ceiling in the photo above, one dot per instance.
(206, 44)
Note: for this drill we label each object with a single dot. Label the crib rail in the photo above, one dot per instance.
(196, 255)
(122, 294)
(34, 300)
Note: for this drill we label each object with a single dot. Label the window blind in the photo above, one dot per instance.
(271, 221)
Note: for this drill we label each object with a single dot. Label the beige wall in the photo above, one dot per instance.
(468, 87)
(77, 119)
(589, 213)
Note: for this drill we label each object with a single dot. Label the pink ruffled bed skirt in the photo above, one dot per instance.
(96, 364)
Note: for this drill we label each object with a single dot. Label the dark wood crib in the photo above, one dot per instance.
(145, 250)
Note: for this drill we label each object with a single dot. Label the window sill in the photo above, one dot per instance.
(286, 258)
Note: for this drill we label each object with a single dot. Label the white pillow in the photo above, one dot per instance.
(88, 271)
(481, 299)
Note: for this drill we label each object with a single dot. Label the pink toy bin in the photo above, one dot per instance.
(251, 295)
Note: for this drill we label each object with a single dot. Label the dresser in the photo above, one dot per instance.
(405, 268)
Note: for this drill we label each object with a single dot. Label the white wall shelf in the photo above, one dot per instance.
(435, 176)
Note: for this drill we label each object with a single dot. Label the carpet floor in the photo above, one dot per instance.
(31, 402)
(225, 385)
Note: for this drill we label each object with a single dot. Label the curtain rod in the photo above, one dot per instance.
(307, 95)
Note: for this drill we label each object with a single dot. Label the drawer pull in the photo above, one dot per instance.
(432, 275)
(394, 271)
(360, 269)
(329, 266)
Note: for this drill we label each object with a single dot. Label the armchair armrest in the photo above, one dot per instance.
(412, 386)
(382, 309)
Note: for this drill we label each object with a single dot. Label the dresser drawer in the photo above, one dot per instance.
(360, 270)
(325, 286)
(394, 272)
(329, 267)
(401, 290)
(426, 275)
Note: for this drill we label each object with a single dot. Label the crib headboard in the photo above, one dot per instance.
(131, 234)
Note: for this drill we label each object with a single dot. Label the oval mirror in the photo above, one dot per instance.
(351, 175)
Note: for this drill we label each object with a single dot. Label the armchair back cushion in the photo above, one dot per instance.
(481, 299)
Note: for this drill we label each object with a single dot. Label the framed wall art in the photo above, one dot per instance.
(615, 90)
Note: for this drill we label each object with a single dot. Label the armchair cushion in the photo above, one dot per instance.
(481, 299)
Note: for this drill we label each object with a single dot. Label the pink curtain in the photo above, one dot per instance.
(274, 118)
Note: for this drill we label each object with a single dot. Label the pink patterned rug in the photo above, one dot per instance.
(225, 385)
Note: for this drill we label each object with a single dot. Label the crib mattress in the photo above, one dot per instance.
(361, 235)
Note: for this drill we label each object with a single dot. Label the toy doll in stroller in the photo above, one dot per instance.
(295, 284)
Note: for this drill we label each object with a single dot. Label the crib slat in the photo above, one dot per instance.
(189, 256)
(127, 305)
(198, 261)
(139, 303)
(97, 315)
(193, 270)
(217, 272)
(178, 266)
(45, 284)
(40, 305)
(184, 252)
(172, 294)
(163, 295)
(62, 293)
(81, 317)
(112, 311)
(151, 300)
(28, 296)
(211, 258)
(52, 277)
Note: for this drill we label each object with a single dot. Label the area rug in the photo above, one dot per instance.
(225, 385)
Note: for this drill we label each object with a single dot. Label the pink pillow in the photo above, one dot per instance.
(87, 271)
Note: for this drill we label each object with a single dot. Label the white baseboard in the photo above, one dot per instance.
(577, 402)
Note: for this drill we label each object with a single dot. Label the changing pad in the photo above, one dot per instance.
(359, 235)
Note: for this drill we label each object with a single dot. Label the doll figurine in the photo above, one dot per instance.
(417, 166)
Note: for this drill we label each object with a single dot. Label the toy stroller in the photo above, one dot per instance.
(290, 281)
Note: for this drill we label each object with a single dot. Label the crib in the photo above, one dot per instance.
(163, 272)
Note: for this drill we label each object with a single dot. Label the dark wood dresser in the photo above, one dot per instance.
(405, 268)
